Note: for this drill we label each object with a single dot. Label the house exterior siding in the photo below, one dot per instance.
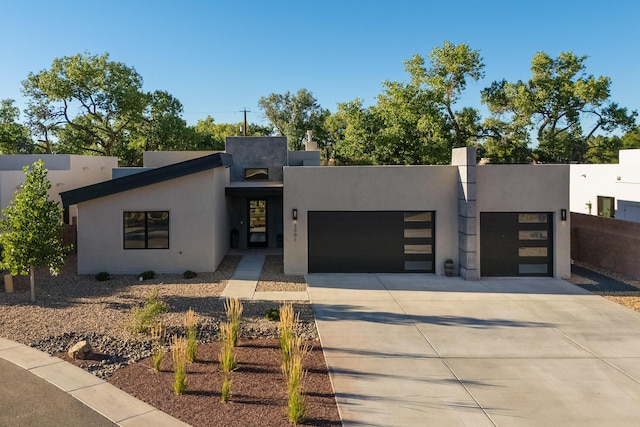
(198, 226)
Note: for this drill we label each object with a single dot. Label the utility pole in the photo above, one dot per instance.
(244, 128)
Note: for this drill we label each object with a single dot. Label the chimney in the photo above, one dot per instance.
(311, 144)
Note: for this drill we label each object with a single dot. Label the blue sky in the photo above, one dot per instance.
(220, 57)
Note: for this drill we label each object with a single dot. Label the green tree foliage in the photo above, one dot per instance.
(414, 122)
(212, 136)
(14, 137)
(560, 108)
(89, 104)
(30, 228)
(605, 149)
(293, 114)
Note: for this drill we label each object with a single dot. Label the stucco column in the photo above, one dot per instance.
(465, 159)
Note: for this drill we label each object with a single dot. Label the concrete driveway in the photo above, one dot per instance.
(415, 349)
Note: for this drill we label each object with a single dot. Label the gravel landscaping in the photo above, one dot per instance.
(70, 308)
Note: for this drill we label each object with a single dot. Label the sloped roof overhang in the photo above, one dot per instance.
(145, 178)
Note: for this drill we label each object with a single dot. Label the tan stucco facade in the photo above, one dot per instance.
(368, 188)
(198, 226)
(529, 188)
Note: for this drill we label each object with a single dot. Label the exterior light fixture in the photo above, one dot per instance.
(563, 214)
(294, 214)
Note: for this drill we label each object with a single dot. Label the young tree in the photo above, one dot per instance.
(31, 228)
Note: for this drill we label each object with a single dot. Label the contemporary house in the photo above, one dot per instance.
(186, 210)
(608, 190)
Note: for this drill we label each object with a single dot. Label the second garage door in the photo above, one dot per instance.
(516, 244)
(371, 242)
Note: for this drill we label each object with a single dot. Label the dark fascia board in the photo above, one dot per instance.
(142, 179)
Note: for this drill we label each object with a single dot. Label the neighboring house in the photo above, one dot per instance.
(608, 190)
(65, 172)
(185, 212)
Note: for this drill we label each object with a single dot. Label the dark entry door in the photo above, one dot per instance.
(257, 233)
(516, 244)
(370, 242)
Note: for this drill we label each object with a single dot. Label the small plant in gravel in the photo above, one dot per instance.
(148, 275)
(228, 362)
(103, 276)
(189, 274)
(233, 308)
(191, 324)
(286, 332)
(145, 316)
(179, 356)
(272, 314)
(157, 350)
(226, 389)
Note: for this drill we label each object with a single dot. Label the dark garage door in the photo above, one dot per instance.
(516, 244)
(371, 242)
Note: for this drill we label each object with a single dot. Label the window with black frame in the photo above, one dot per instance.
(146, 229)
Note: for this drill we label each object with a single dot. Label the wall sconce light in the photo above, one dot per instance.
(618, 178)
(563, 214)
(294, 214)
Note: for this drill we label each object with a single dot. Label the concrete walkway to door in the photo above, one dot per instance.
(413, 349)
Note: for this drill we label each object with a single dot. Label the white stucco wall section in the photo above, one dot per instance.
(367, 188)
(198, 227)
(529, 188)
(81, 171)
(621, 181)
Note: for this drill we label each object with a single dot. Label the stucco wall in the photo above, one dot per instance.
(198, 227)
(80, 171)
(528, 188)
(621, 181)
(157, 159)
(257, 152)
(366, 188)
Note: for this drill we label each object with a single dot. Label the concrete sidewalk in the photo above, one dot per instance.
(412, 349)
(38, 389)
(244, 281)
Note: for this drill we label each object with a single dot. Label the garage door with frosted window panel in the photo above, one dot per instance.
(516, 243)
(370, 242)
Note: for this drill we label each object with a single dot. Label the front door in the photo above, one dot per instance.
(257, 236)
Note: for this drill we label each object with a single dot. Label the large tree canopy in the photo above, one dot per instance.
(212, 136)
(414, 122)
(294, 114)
(89, 104)
(560, 108)
(14, 137)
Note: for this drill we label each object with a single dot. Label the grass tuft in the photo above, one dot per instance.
(157, 351)
(179, 355)
(228, 361)
(191, 324)
(145, 316)
(226, 389)
(233, 308)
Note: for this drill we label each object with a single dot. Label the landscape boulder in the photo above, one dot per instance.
(81, 350)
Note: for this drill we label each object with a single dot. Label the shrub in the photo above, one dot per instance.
(191, 324)
(233, 308)
(272, 314)
(157, 350)
(189, 274)
(148, 275)
(102, 276)
(145, 316)
(179, 355)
